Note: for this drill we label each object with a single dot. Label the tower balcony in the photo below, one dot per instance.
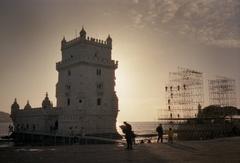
(112, 64)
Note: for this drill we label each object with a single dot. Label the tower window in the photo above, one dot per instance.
(98, 72)
(99, 101)
(80, 100)
(69, 72)
(68, 102)
(99, 85)
(68, 87)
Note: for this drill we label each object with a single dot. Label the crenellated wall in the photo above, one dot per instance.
(89, 40)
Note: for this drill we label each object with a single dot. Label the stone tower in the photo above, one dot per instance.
(85, 89)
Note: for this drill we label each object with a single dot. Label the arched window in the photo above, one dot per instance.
(98, 72)
(56, 125)
(69, 72)
(99, 101)
(68, 102)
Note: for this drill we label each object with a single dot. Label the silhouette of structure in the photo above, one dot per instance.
(86, 99)
(222, 91)
(184, 94)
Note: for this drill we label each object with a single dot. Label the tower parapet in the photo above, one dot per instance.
(87, 60)
(84, 39)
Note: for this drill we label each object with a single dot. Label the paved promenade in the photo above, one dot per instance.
(218, 150)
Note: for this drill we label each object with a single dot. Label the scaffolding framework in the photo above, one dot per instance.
(222, 91)
(184, 94)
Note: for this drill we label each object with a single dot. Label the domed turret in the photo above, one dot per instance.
(109, 40)
(27, 106)
(46, 102)
(83, 33)
(14, 108)
(15, 105)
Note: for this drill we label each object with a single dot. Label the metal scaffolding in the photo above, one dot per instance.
(222, 91)
(184, 94)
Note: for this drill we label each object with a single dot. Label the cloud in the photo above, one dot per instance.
(135, 1)
(212, 22)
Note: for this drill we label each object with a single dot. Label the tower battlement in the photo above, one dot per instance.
(82, 38)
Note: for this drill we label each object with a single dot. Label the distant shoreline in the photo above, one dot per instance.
(5, 117)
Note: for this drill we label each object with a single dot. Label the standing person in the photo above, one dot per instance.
(170, 135)
(127, 130)
(159, 130)
(133, 138)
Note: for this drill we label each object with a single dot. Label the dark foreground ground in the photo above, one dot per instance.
(218, 150)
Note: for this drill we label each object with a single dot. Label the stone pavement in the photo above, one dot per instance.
(218, 150)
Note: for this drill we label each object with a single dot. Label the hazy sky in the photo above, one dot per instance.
(150, 39)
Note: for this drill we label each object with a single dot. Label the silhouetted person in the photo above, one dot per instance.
(127, 130)
(234, 131)
(159, 130)
(149, 141)
(170, 135)
(10, 129)
(133, 137)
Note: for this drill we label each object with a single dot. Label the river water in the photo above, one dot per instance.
(4, 128)
(139, 128)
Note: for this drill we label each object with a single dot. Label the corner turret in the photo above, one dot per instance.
(63, 41)
(46, 102)
(27, 106)
(14, 106)
(109, 40)
(83, 33)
